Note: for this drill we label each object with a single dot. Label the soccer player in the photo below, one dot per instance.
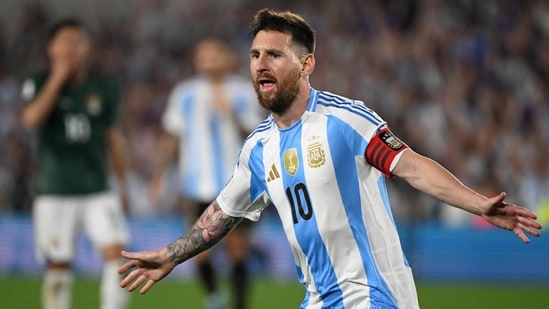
(207, 118)
(74, 112)
(321, 159)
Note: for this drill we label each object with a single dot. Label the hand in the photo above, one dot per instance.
(62, 67)
(511, 217)
(148, 266)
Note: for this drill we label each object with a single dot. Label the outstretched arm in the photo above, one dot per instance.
(430, 177)
(152, 266)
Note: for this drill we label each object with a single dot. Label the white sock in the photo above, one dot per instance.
(112, 295)
(57, 289)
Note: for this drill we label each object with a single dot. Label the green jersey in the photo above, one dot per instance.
(72, 143)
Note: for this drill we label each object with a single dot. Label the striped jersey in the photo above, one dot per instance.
(333, 204)
(210, 140)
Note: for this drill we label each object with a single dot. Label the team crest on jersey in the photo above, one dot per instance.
(391, 140)
(315, 153)
(93, 104)
(291, 163)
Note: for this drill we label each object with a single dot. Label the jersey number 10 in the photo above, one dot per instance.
(301, 200)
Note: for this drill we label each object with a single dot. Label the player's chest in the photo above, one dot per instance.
(86, 101)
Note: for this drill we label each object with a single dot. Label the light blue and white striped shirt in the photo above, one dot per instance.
(210, 140)
(333, 205)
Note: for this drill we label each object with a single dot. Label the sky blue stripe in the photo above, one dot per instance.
(306, 231)
(382, 185)
(188, 107)
(307, 293)
(218, 153)
(341, 143)
(240, 104)
(258, 183)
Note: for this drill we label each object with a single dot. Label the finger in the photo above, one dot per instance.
(137, 283)
(531, 230)
(126, 266)
(130, 277)
(529, 223)
(524, 212)
(521, 235)
(130, 255)
(147, 287)
(499, 198)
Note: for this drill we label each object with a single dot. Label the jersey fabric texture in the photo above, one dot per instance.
(210, 140)
(72, 140)
(333, 205)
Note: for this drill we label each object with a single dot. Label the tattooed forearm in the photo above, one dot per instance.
(211, 227)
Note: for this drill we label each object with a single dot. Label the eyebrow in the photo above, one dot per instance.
(268, 51)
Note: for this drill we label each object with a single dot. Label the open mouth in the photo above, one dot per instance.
(266, 84)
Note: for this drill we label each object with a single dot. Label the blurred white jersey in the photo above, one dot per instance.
(334, 209)
(210, 139)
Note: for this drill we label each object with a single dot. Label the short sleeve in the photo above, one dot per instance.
(172, 120)
(236, 198)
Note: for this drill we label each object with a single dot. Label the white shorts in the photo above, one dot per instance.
(59, 220)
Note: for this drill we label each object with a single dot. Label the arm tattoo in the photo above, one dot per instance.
(210, 228)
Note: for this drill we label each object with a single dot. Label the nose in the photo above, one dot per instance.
(258, 64)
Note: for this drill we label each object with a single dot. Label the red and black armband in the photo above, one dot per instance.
(382, 150)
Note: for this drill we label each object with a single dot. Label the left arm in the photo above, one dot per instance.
(152, 266)
(119, 162)
(430, 177)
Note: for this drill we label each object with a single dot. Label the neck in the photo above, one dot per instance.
(296, 109)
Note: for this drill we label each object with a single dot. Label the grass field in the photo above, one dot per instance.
(24, 293)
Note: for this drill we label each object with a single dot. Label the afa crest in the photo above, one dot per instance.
(291, 162)
(315, 153)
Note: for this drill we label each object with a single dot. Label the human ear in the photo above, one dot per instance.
(307, 64)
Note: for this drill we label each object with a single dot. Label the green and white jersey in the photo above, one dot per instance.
(72, 141)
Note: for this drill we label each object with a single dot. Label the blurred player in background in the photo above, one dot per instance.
(75, 114)
(321, 159)
(206, 120)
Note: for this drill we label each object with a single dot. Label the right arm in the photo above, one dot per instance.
(37, 111)
(152, 266)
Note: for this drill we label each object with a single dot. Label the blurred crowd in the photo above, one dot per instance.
(464, 82)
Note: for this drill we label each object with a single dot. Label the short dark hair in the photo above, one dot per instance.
(286, 22)
(70, 22)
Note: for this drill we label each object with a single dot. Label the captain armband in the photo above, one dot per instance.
(382, 150)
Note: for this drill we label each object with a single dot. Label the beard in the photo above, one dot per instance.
(279, 101)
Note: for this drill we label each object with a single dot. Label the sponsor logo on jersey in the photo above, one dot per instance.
(93, 104)
(273, 174)
(391, 140)
(291, 163)
(315, 153)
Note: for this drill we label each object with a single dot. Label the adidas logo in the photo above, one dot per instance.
(273, 174)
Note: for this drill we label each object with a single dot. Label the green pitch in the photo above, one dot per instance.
(22, 292)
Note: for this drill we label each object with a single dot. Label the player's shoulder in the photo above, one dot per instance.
(187, 85)
(32, 84)
(334, 104)
(262, 132)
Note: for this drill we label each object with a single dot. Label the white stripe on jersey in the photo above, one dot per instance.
(333, 206)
